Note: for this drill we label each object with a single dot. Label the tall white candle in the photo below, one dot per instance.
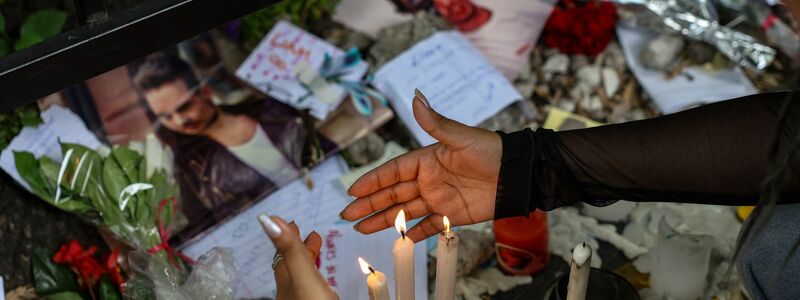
(579, 272)
(376, 282)
(403, 261)
(446, 262)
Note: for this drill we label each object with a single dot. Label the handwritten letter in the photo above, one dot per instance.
(457, 80)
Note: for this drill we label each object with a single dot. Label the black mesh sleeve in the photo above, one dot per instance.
(714, 154)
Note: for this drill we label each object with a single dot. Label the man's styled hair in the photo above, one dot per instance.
(159, 68)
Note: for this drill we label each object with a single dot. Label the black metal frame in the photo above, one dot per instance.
(93, 49)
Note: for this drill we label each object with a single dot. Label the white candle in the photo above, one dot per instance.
(403, 261)
(446, 262)
(579, 272)
(376, 282)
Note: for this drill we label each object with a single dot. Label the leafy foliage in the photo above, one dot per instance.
(39, 26)
(113, 191)
(11, 123)
(300, 12)
(49, 277)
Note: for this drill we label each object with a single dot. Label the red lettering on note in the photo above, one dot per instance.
(332, 280)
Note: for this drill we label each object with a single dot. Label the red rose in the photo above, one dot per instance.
(580, 29)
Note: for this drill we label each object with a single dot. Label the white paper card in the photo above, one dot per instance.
(59, 124)
(680, 93)
(270, 68)
(457, 80)
(341, 247)
(311, 210)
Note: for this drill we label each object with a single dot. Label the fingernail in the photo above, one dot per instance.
(272, 229)
(421, 97)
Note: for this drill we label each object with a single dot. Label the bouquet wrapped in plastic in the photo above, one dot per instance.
(113, 190)
(129, 191)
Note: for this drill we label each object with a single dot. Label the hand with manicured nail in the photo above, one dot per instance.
(456, 177)
(296, 274)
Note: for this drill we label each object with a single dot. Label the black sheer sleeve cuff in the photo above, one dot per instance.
(533, 175)
(516, 180)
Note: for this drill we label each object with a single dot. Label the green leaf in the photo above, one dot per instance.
(106, 290)
(68, 200)
(114, 179)
(65, 296)
(28, 168)
(26, 41)
(49, 277)
(43, 24)
(49, 170)
(29, 116)
(129, 161)
(83, 169)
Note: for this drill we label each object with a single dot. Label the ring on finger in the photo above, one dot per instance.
(276, 260)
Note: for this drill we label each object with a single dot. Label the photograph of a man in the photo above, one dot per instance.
(225, 156)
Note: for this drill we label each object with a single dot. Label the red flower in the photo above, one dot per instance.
(86, 266)
(580, 29)
(114, 270)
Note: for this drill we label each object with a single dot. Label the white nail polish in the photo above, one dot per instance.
(422, 98)
(272, 229)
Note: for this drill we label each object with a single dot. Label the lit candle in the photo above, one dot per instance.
(579, 272)
(446, 258)
(376, 282)
(403, 261)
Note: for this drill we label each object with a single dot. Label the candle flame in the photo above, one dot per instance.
(400, 223)
(364, 266)
(446, 224)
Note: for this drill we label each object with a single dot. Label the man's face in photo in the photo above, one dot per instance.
(180, 108)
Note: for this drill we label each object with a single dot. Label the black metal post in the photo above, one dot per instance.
(90, 50)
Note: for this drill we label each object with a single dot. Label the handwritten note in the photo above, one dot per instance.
(695, 87)
(312, 210)
(270, 68)
(340, 248)
(457, 80)
(60, 124)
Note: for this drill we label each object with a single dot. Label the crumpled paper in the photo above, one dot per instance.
(696, 20)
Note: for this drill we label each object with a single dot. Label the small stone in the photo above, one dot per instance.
(556, 64)
(589, 75)
(592, 104)
(700, 53)
(662, 51)
(509, 119)
(578, 61)
(366, 149)
(611, 81)
(567, 104)
(614, 58)
(581, 91)
(543, 91)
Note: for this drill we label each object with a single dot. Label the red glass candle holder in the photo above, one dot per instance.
(521, 243)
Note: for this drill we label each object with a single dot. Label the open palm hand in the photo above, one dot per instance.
(456, 177)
